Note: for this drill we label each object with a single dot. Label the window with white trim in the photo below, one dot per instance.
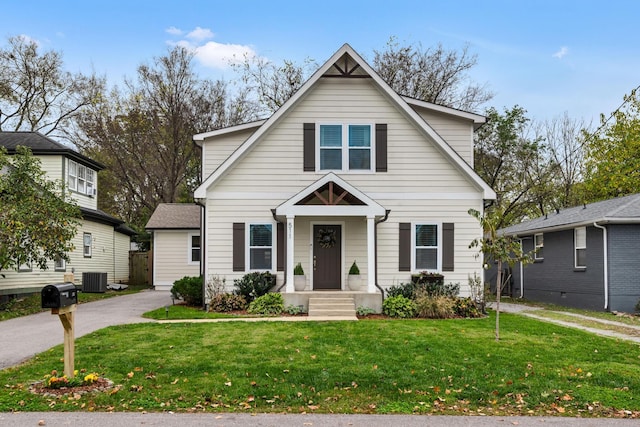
(426, 247)
(345, 147)
(538, 241)
(194, 248)
(81, 178)
(87, 241)
(59, 264)
(260, 246)
(580, 247)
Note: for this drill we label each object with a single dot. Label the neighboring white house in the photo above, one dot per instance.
(176, 249)
(102, 241)
(346, 170)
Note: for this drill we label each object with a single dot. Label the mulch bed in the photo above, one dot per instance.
(101, 385)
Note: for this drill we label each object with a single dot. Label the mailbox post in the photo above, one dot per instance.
(62, 298)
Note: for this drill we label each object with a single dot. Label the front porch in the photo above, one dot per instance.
(360, 298)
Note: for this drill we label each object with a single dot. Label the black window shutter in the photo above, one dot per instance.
(309, 146)
(238, 246)
(447, 246)
(404, 245)
(282, 247)
(381, 147)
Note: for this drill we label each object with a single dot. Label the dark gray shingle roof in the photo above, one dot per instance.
(181, 216)
(620, 210)
(43, 145)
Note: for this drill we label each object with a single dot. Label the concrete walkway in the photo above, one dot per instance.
(24, 337)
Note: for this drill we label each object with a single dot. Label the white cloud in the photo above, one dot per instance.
(218, 55)
(210, 54)
(174, 31)
(200, 34)
(561, 53)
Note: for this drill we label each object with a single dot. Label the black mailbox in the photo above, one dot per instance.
(59, 295)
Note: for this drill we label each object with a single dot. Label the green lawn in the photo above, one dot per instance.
(370, 366)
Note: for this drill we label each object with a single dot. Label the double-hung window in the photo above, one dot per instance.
(538, 241)
(260, 246)
(59, 264)
(81, 178)
(194, 248)
(426, 247)
(87, 242)
(345, 147)
(580, 247)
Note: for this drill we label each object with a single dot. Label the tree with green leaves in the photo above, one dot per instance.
(37, 218)
(612, 164)
(36, 94)
(497, 247)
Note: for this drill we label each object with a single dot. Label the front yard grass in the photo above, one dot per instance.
(369, 366)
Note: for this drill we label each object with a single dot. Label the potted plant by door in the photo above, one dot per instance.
(299, 279)
(354, 280)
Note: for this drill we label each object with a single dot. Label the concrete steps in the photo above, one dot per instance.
(332, 307)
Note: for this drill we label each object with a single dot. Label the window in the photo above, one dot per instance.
(260, 247)
(25, 267)
(81, 179)
(538, 241)
(580, 244)
(426, 249)
(194, 248)
(59, 264)
(87, 241)
(345, 147)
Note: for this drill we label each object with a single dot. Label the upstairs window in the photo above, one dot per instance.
(538, 241)
(81, 178)
(580, 247)
(345, 147)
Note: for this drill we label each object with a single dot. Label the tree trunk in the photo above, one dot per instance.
(498, 289)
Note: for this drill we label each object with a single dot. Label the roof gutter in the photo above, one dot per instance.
(605, 263)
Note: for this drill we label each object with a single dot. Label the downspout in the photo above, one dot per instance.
(521, 273)
(273, 213)
(203, 252)
(605, 263)
(379, 221)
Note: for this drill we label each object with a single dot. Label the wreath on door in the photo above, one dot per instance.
(326, 237)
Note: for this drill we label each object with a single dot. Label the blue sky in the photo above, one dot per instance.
(549, 57)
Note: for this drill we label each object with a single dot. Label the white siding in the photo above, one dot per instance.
(109, 254)
(171, 258)
(53, 166)
(421, 185)
(216, 150)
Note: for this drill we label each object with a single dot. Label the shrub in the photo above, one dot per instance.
(271, 303)
(254, 285)
(189, 289)
(404, 289)
(298, 270)
(222, 303)
(432, 288)
(364, 311)
(466, 307)
(399, 306)
(293, 309)
(435, 306)
(354, 269)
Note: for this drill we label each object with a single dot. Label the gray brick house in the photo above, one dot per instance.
(588, 256)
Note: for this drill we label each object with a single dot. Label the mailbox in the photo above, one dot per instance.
(59, 295)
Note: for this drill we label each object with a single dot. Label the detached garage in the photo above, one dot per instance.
(176, 246)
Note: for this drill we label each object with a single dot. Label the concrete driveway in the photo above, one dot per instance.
(24, 337)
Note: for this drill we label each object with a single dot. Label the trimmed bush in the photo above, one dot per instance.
(435, 307)
(399, 306)
(189, 289)
(427, 287)
(254, 285)
(222, 303)
(466, 307)
(268, 304)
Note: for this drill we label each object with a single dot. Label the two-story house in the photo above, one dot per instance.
(346, 170)
(102, 242)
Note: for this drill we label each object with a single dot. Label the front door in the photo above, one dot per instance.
(327, 257)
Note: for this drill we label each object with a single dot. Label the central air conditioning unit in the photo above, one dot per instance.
(94, 282)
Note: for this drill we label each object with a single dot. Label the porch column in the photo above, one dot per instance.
(371, 254)
(290, 239)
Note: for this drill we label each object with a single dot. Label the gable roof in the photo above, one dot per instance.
(621, 210)
(362, 70)
(42, 145)
(175, 216)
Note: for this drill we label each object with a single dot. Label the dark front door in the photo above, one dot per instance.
(327, 256)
